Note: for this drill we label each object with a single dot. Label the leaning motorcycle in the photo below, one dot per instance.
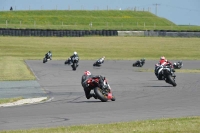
(104, 94)
(166, 73)
(73, 62)
(178, 65)
(46, 58)
(98, 62)
(139, 63)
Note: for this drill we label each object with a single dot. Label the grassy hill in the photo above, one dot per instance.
(85, 19)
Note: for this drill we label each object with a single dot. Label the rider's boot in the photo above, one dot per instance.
(91, 95)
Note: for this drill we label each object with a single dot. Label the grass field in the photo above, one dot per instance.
(94, 47)
(82, 20)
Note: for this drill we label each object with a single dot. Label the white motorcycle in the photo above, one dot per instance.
(166, 73)
(99, 62)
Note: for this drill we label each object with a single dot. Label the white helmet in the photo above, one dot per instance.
(75, 53)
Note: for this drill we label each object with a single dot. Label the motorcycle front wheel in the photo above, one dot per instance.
(74, 66)
(44, 60)
(171, 80)
(100, 95)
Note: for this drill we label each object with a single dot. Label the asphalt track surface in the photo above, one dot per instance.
(139, 96)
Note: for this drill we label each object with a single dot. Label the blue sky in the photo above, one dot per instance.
(181, 12)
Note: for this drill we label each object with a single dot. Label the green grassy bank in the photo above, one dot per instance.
(88, 20)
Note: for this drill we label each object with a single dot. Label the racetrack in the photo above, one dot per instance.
(139, 96)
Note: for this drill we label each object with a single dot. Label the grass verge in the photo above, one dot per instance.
(12, 68)
(10, 100)
(186, 125)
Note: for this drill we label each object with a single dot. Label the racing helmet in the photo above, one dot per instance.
(162, 58)
(87, 73)
(75, 53)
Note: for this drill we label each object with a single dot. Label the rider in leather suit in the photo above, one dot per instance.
(48, 55)
(163, 61)
(74, 55)
(88, 76)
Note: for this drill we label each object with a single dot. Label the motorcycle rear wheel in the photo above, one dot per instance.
(66, 62)
(134, 64)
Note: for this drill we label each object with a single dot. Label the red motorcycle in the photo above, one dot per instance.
(104, 94)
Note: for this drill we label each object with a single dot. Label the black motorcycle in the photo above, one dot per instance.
(46, 58)
(73, 62)
(167, 73)
(178, 65)
(139, 63)
(104, 94)
(99, 62)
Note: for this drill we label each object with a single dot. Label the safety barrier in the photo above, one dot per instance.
(80, 33)
(160, 33)
(57, 33)
(172, 33)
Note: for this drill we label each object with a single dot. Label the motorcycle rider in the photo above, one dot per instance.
(141, 61)
(48, 55)
(75, 54)
(102, 59)
(87, 76)
(163, 62)
(99, 61)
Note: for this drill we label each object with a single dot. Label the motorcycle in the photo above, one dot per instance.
(178, 65)
(99, 62)
(139, 63)
(73, 62)
(166, 73)
(46, 58)
(104, 94)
